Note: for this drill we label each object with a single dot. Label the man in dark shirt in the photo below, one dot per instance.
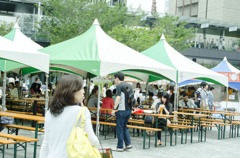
(122, 104)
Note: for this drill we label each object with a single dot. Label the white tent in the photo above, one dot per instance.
(15, 53)
(186, 68)
(20, 54)
(20, 39)
(98, 54)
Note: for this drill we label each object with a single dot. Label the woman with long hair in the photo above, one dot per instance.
(62, 116)
(167, 109)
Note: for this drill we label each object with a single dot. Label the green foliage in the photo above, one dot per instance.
(5, 28)
(65, 19)
(141, 38)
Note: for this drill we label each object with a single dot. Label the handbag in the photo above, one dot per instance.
(149, 119)
(106, 153)
(78, 145)
(7, 120)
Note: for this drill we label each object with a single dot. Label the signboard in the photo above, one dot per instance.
(231, 29)
(204, 25)
(232, 76)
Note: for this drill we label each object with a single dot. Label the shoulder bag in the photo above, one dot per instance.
(78, 145)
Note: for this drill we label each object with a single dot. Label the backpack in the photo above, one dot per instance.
(198, 94)
(130, 97)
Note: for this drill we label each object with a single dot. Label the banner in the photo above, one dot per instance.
(232, 76)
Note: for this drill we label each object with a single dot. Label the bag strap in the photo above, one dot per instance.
(81, 115)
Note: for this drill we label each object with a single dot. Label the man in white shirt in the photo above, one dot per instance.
(186, 102)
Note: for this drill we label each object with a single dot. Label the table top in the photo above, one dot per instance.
(23, 116)
(34, 99)
(157, 115)
(190, 114)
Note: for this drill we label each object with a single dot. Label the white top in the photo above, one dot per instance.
(112, 87)
(104, 92)
(58, 129)
(157, 100)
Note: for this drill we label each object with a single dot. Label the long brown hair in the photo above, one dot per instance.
(64, 93)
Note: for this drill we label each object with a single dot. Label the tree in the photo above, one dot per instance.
(142, 38)
(65, 19)
(5, 28)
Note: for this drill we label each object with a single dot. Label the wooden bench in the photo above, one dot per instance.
(135, 127)
(17, 127)
(4, 142)
(26, 113)
(17, 138)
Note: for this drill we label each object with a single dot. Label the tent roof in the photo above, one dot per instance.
(20, 40)
(187, 69)
(13, 52)
(225, 66)
(97, 53)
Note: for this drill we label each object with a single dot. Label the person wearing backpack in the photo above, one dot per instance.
(123, 103)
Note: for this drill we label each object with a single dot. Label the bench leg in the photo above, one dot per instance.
(199, 127)
(144, 135)
(15, 150)
(35, 143)
(165, 137)
(156, 139)
(3, 151)
(237, 130)
(25, 154)
(175, 137)
(186, 136)
(170, 131)
(205, 134)
(181, 136)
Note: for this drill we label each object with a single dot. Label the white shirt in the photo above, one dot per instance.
(91, 88)
(58, 129)
(157, 100)
(112, 87)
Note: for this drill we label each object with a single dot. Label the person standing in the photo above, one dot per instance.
(61, 118)
(223, 44)
(204, 96)
(124, 94)
(210, 98)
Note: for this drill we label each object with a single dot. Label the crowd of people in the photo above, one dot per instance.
(69, 96)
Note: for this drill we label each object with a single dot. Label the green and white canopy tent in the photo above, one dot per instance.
(96, 53)
(21, 40)
(11, 52)
(186, 68)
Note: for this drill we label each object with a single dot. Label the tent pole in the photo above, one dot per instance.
(4, 87)
(176, 93)
(227, 99)
(98, 107)
(46, 94)
(146, 94)
(88, 85)
(176, 96)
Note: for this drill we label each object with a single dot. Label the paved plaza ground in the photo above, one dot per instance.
(213, 148)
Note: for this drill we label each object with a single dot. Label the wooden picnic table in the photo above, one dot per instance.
(37, 119)
(192, 115)
(35, 100)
